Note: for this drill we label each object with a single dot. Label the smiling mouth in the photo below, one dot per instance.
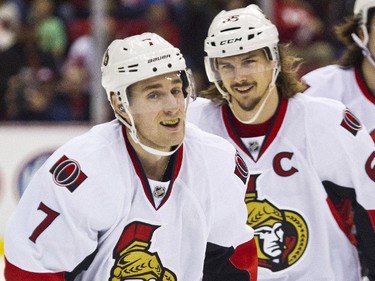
(171, 123)
(243, 89)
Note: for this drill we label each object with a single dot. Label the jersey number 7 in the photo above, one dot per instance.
(51, 216)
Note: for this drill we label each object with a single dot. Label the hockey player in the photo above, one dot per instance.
(308, 157)
(141, 197)
(352, 79)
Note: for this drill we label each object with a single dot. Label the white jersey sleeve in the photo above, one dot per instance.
(346, 85)
(345, 162)
(61, 213)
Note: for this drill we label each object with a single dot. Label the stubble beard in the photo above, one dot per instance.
(249, 106)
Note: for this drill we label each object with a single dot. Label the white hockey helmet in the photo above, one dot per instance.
(136, 58)
(361, 10)
(362, 7)
(239, 31)
(139, 57)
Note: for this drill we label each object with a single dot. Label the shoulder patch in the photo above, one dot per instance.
(350, 122)
(241, 169)
(67, 173)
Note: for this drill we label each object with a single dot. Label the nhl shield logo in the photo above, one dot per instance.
(159, 191)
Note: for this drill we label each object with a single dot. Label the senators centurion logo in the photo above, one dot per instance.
(133, 260)
(281, 235)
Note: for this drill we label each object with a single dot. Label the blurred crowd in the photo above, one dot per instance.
(47, 48)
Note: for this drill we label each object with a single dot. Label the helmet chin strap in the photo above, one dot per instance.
(362, 44)
(133, 135)
(271, 86)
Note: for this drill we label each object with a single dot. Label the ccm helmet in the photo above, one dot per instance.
(361, 10)
(136, 58)
(237, 32)
(362, 7)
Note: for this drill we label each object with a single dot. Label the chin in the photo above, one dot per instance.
(174, 141)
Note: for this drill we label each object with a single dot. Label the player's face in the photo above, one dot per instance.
(372, 36)
(246, 77)
(158, 108)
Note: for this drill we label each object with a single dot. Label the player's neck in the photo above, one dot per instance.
(153, 165)
(265, 113)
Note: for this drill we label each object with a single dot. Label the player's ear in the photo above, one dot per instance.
(117, 106)
(360, 33)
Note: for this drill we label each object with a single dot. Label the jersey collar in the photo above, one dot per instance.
(362, 85)
(271, 132)
(174, 164)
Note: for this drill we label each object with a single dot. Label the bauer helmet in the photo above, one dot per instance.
(237, 32)
(136, 58)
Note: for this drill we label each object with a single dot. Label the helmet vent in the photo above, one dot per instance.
(132, 66)
(230, 29)
(122, 68)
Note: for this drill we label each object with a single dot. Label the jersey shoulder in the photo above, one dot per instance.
(208, 149)
(205, 141)
(214, 156)
(98, 138)
(316, 109)
(330, 81)
(99, 154)
(325, 73)
(325, 117)
(200, 109)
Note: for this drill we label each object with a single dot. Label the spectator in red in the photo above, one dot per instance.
(304, 30)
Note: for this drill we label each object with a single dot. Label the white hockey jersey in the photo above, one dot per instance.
(313, 155)
(90, 210)
(347, 86)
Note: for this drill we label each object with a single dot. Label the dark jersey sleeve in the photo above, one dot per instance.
(229, 264)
